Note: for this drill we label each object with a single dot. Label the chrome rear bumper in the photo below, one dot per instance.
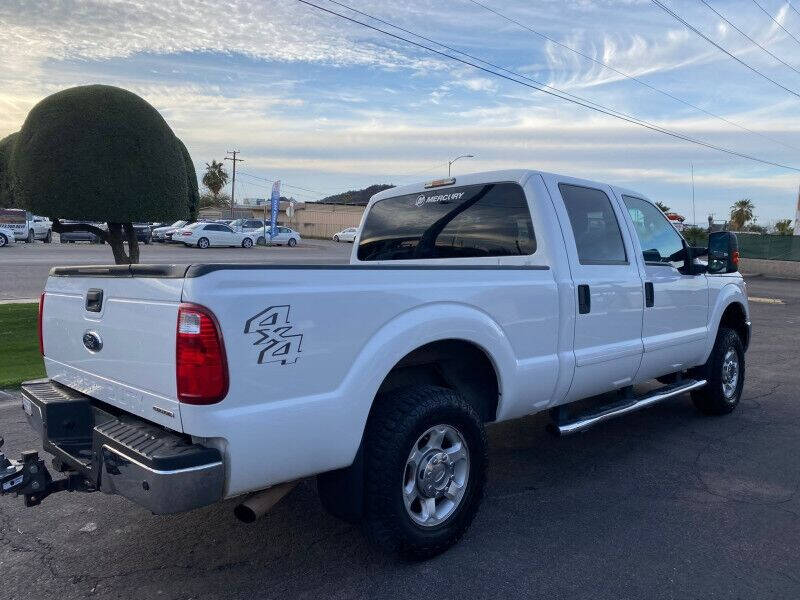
(119, 453)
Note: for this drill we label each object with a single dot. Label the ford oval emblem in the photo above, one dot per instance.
(92, 341)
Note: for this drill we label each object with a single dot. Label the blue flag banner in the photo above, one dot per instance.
(274, 208)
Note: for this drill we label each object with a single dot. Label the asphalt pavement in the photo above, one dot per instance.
(24, 267)
(662, 503)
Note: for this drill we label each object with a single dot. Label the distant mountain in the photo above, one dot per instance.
(359, 197)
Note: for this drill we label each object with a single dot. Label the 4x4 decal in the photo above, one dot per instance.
(276, 335)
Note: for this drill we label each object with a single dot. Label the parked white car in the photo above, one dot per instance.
(163, 234)
(26, 226)
(206, 235)
(466, 302)
(283, 237)
(6, 236)
(346, 235)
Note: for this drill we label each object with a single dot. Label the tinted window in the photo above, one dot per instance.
(657, 236)
(214, 228)
(594, 224)
(224, 228)
(470, 221)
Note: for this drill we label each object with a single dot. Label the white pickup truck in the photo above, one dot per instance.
(466, 302)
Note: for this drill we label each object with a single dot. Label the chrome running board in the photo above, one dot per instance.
(586, 421)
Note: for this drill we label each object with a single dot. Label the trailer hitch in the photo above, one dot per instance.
(30, 478)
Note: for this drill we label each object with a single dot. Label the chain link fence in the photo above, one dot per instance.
(769, 247)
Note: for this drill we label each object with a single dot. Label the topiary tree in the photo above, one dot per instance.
(6, 192)
(193, 198)
(100, 153)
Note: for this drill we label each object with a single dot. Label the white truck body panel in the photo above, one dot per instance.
(309, 346)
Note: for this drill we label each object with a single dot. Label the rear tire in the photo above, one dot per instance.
(49, 237)
(3, 240)
(203, 243)
(31, 237)
(724, 372)
(405, 509)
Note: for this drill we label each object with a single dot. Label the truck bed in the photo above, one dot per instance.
(307, 346)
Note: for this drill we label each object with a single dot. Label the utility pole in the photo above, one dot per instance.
(234, 160)
(694, 214)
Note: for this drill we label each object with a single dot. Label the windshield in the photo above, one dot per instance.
(470, 221)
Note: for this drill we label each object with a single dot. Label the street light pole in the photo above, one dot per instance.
(450, 162)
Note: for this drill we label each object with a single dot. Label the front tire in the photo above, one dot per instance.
(291, 243)
(425, 456)
(247, 243)
(3, 240)
(49, 237)
(203, 243)
(724, 372)
(336, 238)
(31, 237)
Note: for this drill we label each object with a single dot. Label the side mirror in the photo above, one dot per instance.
(723, 252)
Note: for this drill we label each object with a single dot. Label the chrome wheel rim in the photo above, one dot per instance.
(730, 373)
(436, 475)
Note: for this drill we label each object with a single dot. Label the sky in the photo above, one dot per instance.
(326, 105)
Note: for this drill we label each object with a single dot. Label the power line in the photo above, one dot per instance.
(562, 95)
(792, 7)
(580, 99)
(269, 187)
(780, 60)
(284, 184)
(691, 27)
(629, 76)
(774, 20)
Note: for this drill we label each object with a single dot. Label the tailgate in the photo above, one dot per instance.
(111, 335)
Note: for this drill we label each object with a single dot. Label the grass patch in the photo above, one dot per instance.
(19, 344)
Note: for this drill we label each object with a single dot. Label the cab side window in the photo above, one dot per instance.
(661, 244)
(597, 235)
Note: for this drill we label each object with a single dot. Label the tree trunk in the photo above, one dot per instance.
(117, 243)
(133, 244)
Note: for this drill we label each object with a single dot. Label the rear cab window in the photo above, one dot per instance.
(598, 238)
(483, 220)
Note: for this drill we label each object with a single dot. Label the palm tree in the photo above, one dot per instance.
(215, 177)
(742, 213)
(662, 207)
(784, 227)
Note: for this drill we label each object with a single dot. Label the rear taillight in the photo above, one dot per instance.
(39, 324)
(201, 367)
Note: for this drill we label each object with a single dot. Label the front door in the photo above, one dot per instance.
(609, 296)
(675, 322)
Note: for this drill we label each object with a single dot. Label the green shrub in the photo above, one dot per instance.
(99, 153)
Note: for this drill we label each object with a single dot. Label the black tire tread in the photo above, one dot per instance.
(394, 417)
(710, 400)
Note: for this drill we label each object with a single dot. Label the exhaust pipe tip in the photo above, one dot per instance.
(245, 514)
(257, 505)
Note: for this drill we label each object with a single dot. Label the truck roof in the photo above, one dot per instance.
(517, 175)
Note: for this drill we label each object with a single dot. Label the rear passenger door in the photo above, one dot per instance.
(676, 308)
(609, 296)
